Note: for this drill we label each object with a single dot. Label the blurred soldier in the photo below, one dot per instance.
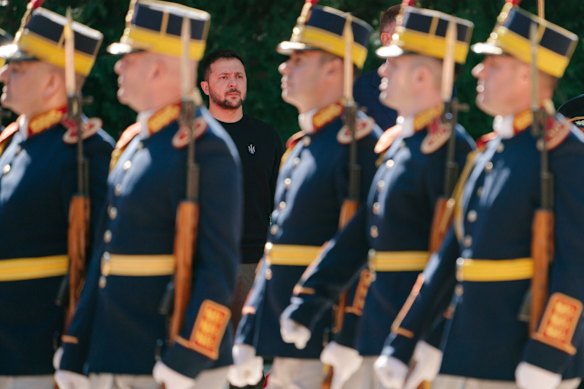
(38, 177)
(366, 88)
(488, 258)
(260, 150)
(573, 110)
(393, 232)
(312, 186)
(114, 334)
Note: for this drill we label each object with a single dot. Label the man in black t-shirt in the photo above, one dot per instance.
(260, 150)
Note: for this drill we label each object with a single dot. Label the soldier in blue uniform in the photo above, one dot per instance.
(311, 188)
(38, 177)
(392, 232)
(486, 259)
(115, 332)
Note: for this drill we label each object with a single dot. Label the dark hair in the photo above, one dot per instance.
(215, 56)
(388, 16)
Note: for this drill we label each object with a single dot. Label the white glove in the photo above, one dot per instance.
(57, 358)
(390, 371)
(171, 379)
(427, 364)
(69, 380)
(292, 331)
(344, 360)
(247, 368)
(528, 376)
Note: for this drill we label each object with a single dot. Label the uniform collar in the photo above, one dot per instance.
(153, 121)
(412, 124)
(312, 121)
(41, 122)
(511, 125)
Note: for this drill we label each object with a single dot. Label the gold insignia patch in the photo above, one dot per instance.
(45, 120)
(559, 322)
(163, 117)
(557, 133)
(363, 127)
(326, 115)
(387, 138)
(88, 128)
(181, 138)
(208, 330)
(438, 135)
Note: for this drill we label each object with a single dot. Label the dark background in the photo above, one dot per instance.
(254, 28)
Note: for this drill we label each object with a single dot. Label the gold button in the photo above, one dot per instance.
(390, 163)
(274, 229)
(18, 149)
(118, 189)
(6, 169)
(306, 141)
(376, 208)
(488, 167)
(268, 274)
(471, 216)
(287, 182)
(127, 165)
(467, 241)
(282, 205)
(480, 191)
(296, 161)
(139, 146)
(113, 212)
(500, 147)
(374, 231)
(107, 236)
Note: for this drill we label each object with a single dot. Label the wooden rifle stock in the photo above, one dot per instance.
(184, 245)
(76, 249)
(542, 247)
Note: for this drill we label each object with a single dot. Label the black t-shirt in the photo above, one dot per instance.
(260, 149)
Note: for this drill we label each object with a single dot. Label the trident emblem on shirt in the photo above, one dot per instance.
(251, 149)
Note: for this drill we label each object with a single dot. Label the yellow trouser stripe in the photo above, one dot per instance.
(484, 270)
(398, 260)
(138, 265)
(291, 255)
(33, 268)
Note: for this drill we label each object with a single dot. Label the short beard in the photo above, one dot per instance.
(225, 103)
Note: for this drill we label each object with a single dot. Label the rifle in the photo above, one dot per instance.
(187, 218)
(444, 207)
(351, 203)
(542, 239)
(78, 229)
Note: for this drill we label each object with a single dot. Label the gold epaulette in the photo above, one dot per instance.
(181, 138)
(438, 135)
(89, 128)
(387, 138)
(483, 140)
(557, 131)
(125, 139)
(7, 134)
(363, 127)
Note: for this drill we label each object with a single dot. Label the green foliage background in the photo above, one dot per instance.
(254, 28)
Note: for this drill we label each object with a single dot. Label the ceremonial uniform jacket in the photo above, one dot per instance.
(37, 180)
(311, 188)
(117, 327)
(391, 233)
(486, 261)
